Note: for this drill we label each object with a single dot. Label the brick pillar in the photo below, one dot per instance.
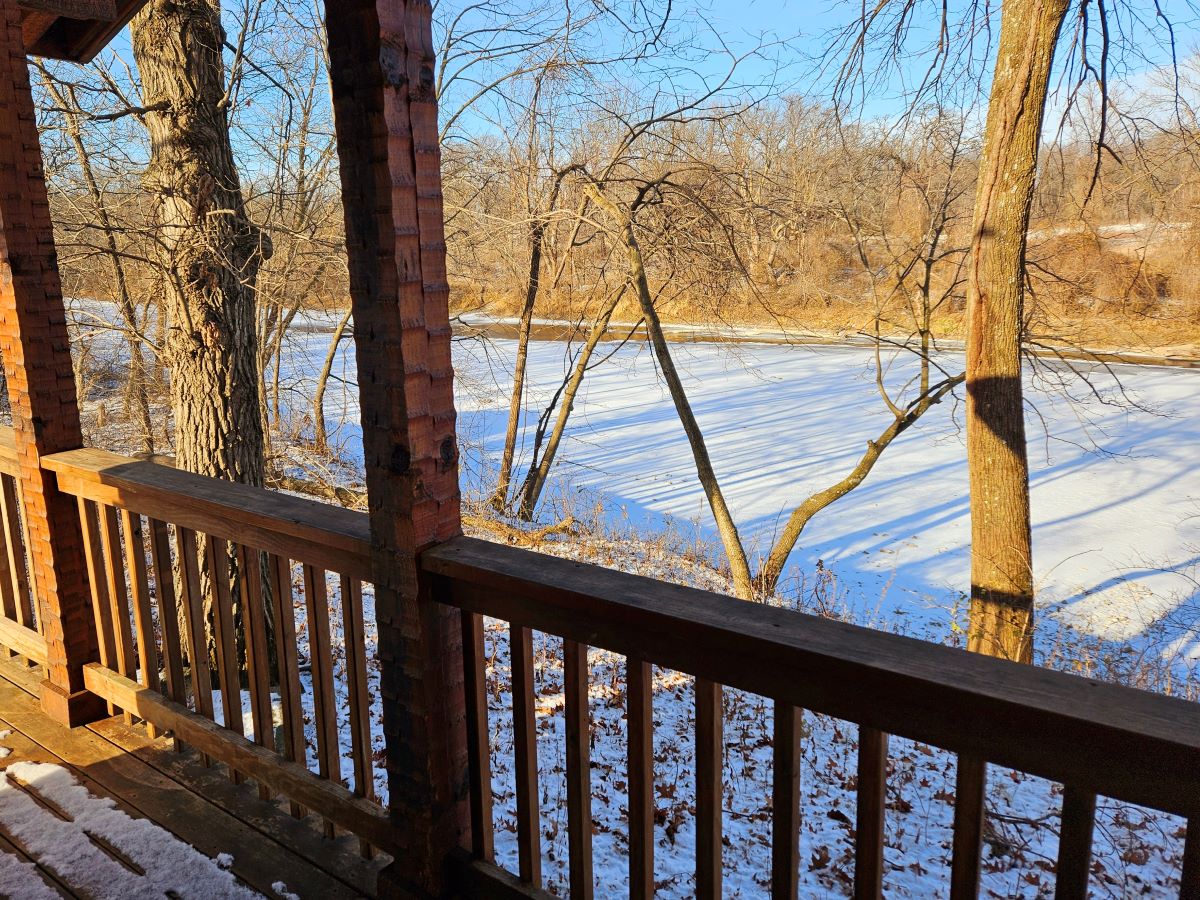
(41, 387)
(381, 54)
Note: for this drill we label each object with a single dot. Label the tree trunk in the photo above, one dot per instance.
(772, 569)
(137, 400)
(537, 238)
(210, 251)
(743, 584)
(320, 437)
(1001, 617)
(539, 467)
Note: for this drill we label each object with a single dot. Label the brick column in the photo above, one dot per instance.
(382, 71)
(41, 387)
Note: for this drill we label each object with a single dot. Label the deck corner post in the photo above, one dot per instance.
(41, 387)
(385, 109)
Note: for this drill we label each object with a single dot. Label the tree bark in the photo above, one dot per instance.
(210, 251)
(1001, 616)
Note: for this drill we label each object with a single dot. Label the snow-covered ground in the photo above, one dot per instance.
(1115, 485)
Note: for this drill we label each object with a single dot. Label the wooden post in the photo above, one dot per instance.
(381, 60)
(41, 388)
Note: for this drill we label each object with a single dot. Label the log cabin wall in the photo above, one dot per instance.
(41, 387)
(381, 62)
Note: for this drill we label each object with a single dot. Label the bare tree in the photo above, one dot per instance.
(210, 250)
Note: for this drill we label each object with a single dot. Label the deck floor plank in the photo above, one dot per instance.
(339, 857)
(107, 769)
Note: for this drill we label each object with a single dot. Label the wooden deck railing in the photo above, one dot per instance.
(174, 557)
(160, 539)
(1094, 738)
(20, 627)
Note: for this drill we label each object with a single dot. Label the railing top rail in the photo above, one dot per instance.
(1119, 742)
(318, 533)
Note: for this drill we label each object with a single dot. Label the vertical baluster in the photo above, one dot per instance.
(356, 685)
(1189, 879)
(479, 761)
(168, 613)
(525, 754)
(194, 625)
(785, 804)
(225, 638)
(258, 659)
(710, 727)
(970, 784)
(321, 662)
(639, 704)
(114, 569)
(868, 827)
(355, 640)
(1075, 844)
(7, 591)
(101, 608)
(14, 546)
(143, 619)
(579, 764)
(8, 597)
(286, 650)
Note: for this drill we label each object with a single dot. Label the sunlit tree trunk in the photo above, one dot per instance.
(1001, 545)
(210, 251)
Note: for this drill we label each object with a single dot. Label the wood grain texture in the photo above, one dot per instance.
(320, 658)
(1075, 845)
(168, 612)
(785, 804)
(871, 807)
(355, 642)
(320, 533)
(970, 788)
(143, 617)
(483, 843)
(639, 716)
(118, 596)
(525, 763)
(287, 652)
(710, 743)
(579, 768)
(361, 817)
(93, 553)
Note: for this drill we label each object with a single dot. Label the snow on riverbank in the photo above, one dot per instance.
(1115, 488)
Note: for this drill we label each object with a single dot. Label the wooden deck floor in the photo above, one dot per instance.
(200, 806)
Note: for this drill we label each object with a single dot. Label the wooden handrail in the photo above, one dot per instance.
(316, 533)
(1119, 742)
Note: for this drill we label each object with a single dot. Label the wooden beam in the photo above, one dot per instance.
(381, 66)
(36, 347)
(25, 641)
(93, 10)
